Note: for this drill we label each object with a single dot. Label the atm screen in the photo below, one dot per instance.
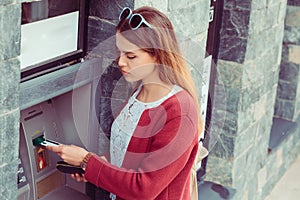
(52, 35)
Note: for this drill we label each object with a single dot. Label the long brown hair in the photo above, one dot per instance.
(160, 41)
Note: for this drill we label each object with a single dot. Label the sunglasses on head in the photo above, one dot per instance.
(135, 20)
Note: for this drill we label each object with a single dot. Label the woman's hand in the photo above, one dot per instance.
(71, 154)
(78, 177)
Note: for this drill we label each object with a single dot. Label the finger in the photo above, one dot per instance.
(56, 149)
(78, 177)
(73, 176)
(84, 178)
(49, 148)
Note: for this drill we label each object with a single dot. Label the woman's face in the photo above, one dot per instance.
(134, 63)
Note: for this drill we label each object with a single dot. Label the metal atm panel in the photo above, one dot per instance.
(38, 177)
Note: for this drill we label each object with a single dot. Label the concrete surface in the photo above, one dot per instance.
(288, 187)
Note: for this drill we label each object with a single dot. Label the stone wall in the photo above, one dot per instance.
(288, 93)
(248, 68)
(103, 17)
(245, 90)
(10, 19)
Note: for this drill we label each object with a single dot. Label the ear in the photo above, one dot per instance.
(152, 53)
(155, 59)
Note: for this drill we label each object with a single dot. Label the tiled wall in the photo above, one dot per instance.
(10, 16)
(248, 69)
(288, 92)
(250, 53)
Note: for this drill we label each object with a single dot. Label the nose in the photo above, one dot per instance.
(122, 60)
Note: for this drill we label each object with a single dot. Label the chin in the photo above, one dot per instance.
(129, 79)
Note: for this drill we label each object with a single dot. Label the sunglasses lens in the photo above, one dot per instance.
(135, 21)
(124, 14)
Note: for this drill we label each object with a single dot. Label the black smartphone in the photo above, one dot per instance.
(69, 169)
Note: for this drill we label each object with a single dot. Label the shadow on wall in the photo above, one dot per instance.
(212, 191)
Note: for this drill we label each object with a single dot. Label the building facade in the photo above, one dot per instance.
(253, 133)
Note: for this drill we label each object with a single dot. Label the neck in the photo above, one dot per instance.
(151, 92)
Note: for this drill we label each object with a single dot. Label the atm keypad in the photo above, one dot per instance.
(21, 175)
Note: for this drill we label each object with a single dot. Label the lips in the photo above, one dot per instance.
(124, 72)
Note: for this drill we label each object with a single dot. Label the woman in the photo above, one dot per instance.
(154, 138)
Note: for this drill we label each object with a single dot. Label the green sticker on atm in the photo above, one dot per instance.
(37, 141)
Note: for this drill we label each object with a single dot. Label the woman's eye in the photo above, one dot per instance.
(130, 56)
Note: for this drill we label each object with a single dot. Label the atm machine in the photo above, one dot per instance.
(56, 120)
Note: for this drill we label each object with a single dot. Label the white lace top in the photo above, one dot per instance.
(126, 122)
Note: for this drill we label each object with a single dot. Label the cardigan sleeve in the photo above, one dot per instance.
(171, 150)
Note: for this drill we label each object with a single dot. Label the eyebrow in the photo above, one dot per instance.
(126, 52)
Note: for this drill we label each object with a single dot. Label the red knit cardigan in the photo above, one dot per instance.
(159, 156)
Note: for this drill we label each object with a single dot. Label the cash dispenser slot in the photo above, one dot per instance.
(38, 178)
